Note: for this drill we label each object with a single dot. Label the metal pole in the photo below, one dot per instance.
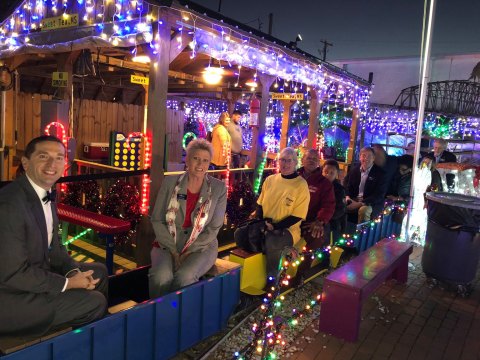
(425, 74)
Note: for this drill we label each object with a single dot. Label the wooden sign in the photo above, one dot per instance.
(59, 79)
(59, 22)
(134, 79)
(287, 96)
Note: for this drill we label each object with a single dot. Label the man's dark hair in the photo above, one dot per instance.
(237, 112)
(33, 143)
(406, 160)
(331, 162)
(368, 148)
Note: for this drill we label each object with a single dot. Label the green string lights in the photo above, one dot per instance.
(71, 240)
(268, 332)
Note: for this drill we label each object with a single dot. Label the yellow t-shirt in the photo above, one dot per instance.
(281, 198)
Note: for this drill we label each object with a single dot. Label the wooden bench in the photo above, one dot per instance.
(10, 344)
(106, 227)
(345, 290)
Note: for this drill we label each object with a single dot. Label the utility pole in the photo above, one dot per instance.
(219, 6)
(270, 23)
(325, 45)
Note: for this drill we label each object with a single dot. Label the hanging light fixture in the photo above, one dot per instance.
(251, 83)
(143, 59)
(213, 75)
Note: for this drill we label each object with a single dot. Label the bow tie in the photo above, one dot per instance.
(51, 196)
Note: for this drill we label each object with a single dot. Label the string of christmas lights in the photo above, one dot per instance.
(128, 23)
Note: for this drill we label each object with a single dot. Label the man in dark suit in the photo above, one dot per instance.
(41, 287)
(440, 154)
(365, 187)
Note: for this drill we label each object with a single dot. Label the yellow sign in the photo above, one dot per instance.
(286, 96)
(134, 79)
(59, 79)
(59, 22)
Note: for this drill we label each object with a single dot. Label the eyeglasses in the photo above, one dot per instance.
(286, 161)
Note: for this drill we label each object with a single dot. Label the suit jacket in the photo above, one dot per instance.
(213, 224)
(31, 272)
(446, 157)
(375, 187)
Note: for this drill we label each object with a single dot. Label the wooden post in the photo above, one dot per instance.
(65, 63)
(232, 98)
(353, 136)
(287, 104)
(156, 110)
(156, 131)
(313, 119)
(259, 132)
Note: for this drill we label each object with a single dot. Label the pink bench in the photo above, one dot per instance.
(345, 290)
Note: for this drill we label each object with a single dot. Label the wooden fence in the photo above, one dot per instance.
(94, 120)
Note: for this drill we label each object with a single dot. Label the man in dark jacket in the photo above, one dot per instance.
(440, 154)
(41, 287)
(389, 164)
(365, 186)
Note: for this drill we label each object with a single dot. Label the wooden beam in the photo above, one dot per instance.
(143, 68)
(353, 136)
(287, 104)
(179, 42)
(14, 62)
(313, 119)
(65, 63)
(232, 97)
(258, 133)
(157, 112)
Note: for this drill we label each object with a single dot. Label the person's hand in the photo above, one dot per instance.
(269, 226)
(82, 280)
(354, 205)
(316, 229)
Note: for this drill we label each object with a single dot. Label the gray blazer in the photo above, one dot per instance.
(31, 272)
(212, 226)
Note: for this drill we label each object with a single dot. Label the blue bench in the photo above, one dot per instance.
(154, 329)
(372, 233)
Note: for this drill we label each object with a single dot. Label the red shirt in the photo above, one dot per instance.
(322, 196)
(192, 200)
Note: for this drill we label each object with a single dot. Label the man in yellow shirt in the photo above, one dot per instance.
(283, 203)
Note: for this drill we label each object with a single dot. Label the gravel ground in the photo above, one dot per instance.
(295, 300)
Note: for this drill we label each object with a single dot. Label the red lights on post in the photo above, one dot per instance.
(147, 159)
(63, 137)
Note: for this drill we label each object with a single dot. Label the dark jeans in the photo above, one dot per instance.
(275, 242)
(235, 160)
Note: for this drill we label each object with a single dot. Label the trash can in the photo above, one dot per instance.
(452, 240)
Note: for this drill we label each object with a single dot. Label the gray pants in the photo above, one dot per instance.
(80, 306)
(162, 277)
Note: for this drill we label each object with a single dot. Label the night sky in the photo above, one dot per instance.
(362, 28)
